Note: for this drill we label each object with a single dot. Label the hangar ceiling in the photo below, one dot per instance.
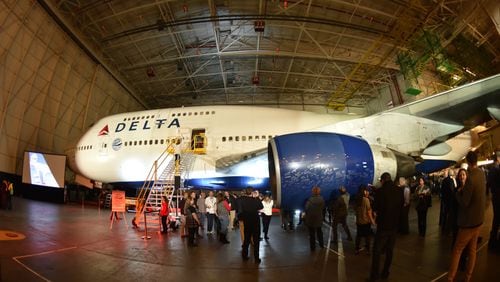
(272, 52)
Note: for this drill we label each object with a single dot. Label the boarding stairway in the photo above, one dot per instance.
(148, 202)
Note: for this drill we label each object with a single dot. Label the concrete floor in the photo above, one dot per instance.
(74, 243)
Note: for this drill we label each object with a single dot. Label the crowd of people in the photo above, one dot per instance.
(386, 208)
(217, 214)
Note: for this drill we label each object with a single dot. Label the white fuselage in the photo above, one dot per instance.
(123, 147)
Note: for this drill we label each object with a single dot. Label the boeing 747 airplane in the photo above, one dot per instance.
(289, 151)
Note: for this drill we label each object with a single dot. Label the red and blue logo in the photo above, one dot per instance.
(104, 131)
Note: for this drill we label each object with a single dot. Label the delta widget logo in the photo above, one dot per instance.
(104, 131)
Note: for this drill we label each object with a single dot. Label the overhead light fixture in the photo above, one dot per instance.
(469, 72)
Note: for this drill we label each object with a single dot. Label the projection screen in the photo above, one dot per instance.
(44, 169)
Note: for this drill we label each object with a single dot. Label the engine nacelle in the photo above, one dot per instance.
(299, 161)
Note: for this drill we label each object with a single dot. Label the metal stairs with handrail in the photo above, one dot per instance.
(148, 202)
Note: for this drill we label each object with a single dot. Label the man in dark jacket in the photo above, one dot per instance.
(314, 217)
(249, 212)
(388, 206)
(447, 194)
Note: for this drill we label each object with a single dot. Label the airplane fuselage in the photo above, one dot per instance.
(123, 147)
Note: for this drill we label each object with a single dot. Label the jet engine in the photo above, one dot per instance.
(299, 161)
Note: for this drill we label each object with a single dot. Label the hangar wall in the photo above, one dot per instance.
(50, 90)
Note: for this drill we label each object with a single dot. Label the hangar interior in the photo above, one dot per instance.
(67, 63)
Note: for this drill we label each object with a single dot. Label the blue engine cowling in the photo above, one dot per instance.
(299, 161)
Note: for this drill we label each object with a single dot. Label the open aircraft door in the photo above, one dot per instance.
(199, 141)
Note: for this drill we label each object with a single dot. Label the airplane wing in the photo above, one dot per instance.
(425, 125)
(468, 105)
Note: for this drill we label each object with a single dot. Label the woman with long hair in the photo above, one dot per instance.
(423, 193)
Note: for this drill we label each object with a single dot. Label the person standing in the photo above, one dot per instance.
(164, 214)
(202, 212)
(249, 214)
(461, 180)
(494, 186)
(404, 227)
(10, 193)
(232, 213)
(267, 214)
(182, 207)
(364, 219)
(388, 204)
(211, 206)
(471, 199)
(314, 217)
(340, 214)
(423, 193)
(192, 221)
(223, 216)
(447, 187)
(177, 151)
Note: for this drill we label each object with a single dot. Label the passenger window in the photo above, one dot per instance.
(140, 142)
(195, 113)
(243, 138)
(207, 112)
(189, 113)
(135, 143)
(230, 138)
(143, 117)
(133, 118)
(256, 137)
(263, 137)
(150, 142)
(178, 114)
(237, 138)
(224, 139)
(161, 141)
(156, 141)
(213, 112)
(269, 137)
(145, 142)
(183, 114)
(201, 113)
(250, 138)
